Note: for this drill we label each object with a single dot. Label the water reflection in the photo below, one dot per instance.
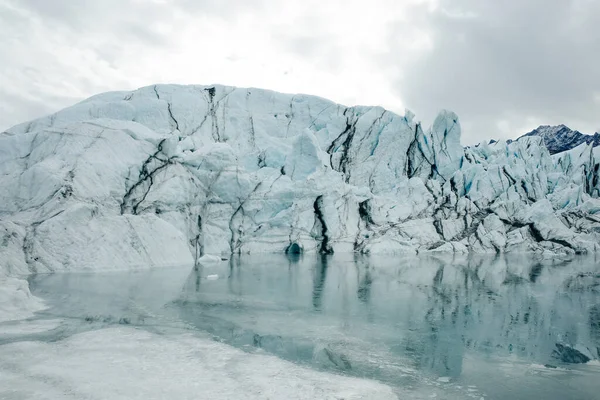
(320, 274)
(395, 319)
(364, 287)
(426, 310)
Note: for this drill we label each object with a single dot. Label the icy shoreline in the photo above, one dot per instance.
(16, 301)
(128, 363)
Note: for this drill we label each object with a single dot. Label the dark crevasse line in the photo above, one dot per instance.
(252, 133)
(364, 213)
(213, 104)
(325, 247)
(343, 141)
(144, 176)
(527, 194)
(414, 150)
(172, 117)
(213, 113)
(437, 224)
(198, 240)
(595, 192)
(235, 242)
(508, 176)
(381, 129)
(537, 235)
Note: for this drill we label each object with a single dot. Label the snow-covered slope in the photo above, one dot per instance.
(166, 173)
(560, 138)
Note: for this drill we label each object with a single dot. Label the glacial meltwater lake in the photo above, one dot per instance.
(491, 327)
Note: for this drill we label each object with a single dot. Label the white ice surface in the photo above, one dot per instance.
(209, 259)
(16, 301)
(125, 363)
(26, 327)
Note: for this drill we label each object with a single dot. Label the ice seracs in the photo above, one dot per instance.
(166, 174)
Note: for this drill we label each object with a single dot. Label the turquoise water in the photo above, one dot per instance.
(466, 327)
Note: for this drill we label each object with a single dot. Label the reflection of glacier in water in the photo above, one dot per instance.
(478, 325)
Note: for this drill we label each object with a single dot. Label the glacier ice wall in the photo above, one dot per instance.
(166, 173)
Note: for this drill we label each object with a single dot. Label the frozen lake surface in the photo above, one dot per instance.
(352, 327)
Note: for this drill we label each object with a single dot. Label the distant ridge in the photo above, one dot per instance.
(561, 138)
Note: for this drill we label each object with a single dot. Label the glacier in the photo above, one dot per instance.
(165, 174)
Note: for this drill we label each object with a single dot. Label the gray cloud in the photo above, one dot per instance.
(130, 19)
(79, 13)
(503, 66)
(123, 19)
(312, 46)
(514, 61)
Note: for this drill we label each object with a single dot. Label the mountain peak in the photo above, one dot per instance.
(559, 138)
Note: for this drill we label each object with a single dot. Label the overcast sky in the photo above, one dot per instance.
(504, 67)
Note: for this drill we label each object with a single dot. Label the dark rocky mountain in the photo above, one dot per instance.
(561, 138)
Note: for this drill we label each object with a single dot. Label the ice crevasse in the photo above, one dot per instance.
(166, 174)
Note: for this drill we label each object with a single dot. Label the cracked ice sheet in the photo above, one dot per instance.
(125, 363)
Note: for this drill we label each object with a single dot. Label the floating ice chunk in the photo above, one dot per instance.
(213, 277)
(209, 259)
